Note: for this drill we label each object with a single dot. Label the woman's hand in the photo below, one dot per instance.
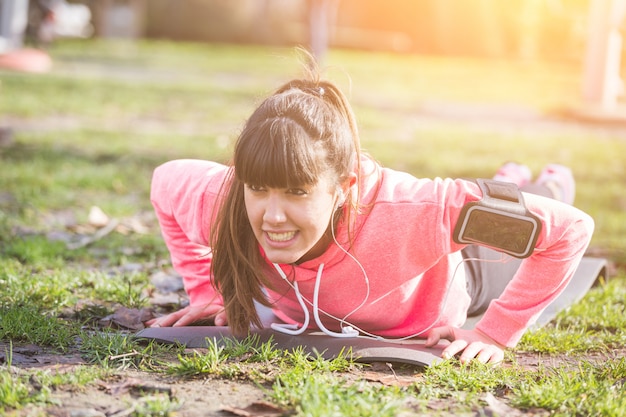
(473, 344)
(190, 315)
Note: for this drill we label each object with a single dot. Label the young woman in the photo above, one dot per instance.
(304, 223)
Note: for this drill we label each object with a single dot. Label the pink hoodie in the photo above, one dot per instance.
(403, 242)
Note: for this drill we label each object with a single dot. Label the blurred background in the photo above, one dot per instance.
(586, 32)
(554, 29)
(520, 28)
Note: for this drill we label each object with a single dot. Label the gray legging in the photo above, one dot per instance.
(486, 280)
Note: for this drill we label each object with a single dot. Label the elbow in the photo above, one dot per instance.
(587, 224)
(161, 180)
(590, 224)
(582, 229)
(158, 181)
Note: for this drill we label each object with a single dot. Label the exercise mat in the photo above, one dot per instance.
(589, 272)
(362, 349)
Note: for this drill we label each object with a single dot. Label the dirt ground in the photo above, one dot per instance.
(125, 391)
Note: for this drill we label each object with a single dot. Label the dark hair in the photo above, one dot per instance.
(302, 131)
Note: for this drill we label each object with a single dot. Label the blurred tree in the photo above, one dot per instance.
(322, 17)
(602, 84)
(13, 21)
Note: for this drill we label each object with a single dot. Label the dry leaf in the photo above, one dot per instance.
(128, 318)
(97, 217)
(256, 409)
(389, 380)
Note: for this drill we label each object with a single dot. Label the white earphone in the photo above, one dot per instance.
(341, 198)
(293, 329)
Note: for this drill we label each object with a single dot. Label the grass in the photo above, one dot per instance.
(318, 394)
(587, 390)
(91, 131)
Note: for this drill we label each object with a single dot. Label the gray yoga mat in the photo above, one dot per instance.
(365, 349)
(362, 349)
(587, 274)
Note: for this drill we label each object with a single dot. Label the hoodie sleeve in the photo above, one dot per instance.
(184, 194)
(565, 235)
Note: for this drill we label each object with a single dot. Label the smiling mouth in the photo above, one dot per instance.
(281, 237)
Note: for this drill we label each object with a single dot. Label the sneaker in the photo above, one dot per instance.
(515, 173)
(559, 180)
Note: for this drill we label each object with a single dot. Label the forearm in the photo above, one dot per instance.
(183, 198)
(541, 277)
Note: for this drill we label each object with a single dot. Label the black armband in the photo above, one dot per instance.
(500, 220)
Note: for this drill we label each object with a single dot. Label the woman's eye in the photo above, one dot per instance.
(253, 187)
(297, 191)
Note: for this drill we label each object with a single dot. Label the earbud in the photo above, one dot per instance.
(341, 198)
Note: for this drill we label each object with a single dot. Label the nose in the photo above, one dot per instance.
(274, 212)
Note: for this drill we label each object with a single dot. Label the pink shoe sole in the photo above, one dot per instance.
(560, 181)
(513, 172)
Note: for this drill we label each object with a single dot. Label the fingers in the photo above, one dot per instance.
(221, 319)
(493, 355)
(439, 333)
(190, 315)
(167, 320)
(195, 314)
(482, 352)
(432, 340)
(467, 344)
(453, 349)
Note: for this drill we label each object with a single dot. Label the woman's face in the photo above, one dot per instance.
(290, 223)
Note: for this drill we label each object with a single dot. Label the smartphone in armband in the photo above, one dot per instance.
(500, 220)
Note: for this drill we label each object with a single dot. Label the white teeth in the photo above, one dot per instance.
(281, 237)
